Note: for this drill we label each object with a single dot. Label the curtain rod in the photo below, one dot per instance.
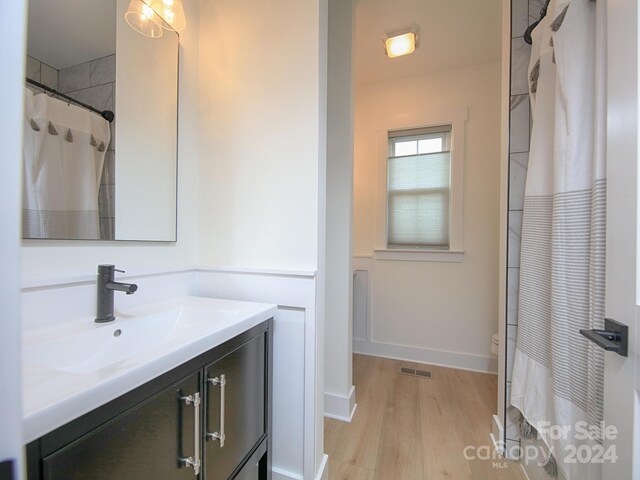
(108, 115)
(529, 31)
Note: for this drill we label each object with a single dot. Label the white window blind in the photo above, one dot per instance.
(419, 188)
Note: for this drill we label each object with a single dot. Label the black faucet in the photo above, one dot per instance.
(106, 287)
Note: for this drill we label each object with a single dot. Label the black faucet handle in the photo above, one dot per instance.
(108, 268)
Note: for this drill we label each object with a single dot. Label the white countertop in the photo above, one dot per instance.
(53, 396)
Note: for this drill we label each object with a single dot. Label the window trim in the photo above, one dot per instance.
(457, 118)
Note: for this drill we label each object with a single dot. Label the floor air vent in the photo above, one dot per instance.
(415, 373)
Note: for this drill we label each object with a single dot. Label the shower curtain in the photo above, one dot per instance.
(557, 375)
(64, 151)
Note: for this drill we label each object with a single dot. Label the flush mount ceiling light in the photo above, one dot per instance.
(171, 12)
(401, 41)
(143, 19)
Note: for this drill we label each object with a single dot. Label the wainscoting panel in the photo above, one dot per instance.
(360, 304)
(296, 394)
(365, 342)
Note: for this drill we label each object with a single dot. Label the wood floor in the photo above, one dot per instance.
(409, 428)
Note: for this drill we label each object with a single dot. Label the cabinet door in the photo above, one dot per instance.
(238, 405)
(144, 443)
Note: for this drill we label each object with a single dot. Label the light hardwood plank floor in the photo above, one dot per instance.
(410, 428)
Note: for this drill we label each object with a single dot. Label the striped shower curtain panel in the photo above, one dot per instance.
(557, 376)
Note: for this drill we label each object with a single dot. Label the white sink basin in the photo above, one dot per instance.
(71, 369)
(103, 345)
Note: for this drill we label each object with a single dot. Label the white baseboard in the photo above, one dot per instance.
(462, 361)
(323, 471)
(340, 407)
(277, 474)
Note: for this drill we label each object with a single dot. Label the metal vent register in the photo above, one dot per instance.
(414, 372)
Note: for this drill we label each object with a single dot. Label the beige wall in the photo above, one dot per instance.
(259, 133)
(436, 306)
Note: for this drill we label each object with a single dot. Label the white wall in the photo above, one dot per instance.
(262, 100)
(12, 52)
(621, 24)
(44, 259)
(259, 133)
(443, 312)
(339, 399)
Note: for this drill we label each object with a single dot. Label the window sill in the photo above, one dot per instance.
(411, 255)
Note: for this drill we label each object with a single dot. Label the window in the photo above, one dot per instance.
(419, 188)
(420, 185)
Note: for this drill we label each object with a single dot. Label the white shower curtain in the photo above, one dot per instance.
(64, 151)
(557, 376)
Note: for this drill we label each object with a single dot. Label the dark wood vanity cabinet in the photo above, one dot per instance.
(213, 410)
(234, 408)
(142, 443)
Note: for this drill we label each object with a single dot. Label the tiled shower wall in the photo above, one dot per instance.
(523, 13)
(92, 83)
(41, 72)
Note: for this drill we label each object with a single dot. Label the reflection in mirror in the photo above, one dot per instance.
(92, 79)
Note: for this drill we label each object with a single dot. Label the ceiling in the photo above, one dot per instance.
(62, 33)
(452, 34)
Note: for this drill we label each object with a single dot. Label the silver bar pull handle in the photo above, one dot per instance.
(195, 460)
(222, 382)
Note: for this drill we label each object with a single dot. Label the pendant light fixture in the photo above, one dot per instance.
(142, 18)
(171, 11)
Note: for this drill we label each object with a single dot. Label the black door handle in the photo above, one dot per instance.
(614, 337)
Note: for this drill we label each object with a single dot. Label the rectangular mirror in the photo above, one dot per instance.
(85, 177)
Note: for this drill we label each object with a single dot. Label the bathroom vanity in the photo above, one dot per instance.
(208, 417)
